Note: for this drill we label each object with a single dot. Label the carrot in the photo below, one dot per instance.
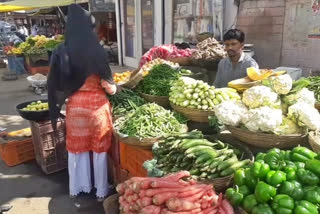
(198, 195)
(128, 192)
(146, 201)
(227, 207)
(192, 190)
(152, 192)
(152, 209)
(179, 205)
(221, 210)
(204, 205)
(176, 176)
(208, 211)
(161, 198)
(139, 202)
(195, 211)
(120, 188)
(166, 184)
(142, 193)
(135, 197)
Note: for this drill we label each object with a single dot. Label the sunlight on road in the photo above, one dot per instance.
(29, 205)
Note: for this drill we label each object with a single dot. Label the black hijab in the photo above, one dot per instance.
(74, 61)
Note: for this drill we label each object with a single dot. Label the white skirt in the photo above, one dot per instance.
(80, 173)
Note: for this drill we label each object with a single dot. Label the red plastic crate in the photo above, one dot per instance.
(132, 159)
(50, 145)
(16, 151)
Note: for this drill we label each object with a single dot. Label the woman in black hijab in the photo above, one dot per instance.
(80, 72)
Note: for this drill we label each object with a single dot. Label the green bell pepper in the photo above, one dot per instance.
(286, 155)
(244, 190)
(300, 165)
(264, 192)
(291, 174)
(307, 177)
(291, 188)
(275, 178)
(234, 196)
(262, 209)
(239, 177)
(274, 159)
(290, 164)
(249, 202)
(283, 204)
(305, 207)
(260, 156)
(312, 194)
(260, 169)
(313, 166)
(302, 154)
(250, 180)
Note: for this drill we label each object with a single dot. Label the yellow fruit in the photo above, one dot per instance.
(243, 84)
(256, 74)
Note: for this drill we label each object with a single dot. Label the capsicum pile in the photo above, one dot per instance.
(279, 182)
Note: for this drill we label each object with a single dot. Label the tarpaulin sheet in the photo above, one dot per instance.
(34, 4)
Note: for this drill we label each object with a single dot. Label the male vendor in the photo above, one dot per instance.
(235, 65)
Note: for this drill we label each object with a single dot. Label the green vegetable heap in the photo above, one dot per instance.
(149, 121)
(314, 85)
(191, 152)
(279, 182)
(125, 101)
(159, 80)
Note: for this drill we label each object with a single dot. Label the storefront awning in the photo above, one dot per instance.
(34, 4)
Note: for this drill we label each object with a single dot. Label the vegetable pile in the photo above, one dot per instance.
(170, 195)
(279, 182)
(149, 121)
(191, 93)
(149, 65)
(125, 101)
(314, 85)
(209, 49)
(121, 77)
(279, 106)
(191, 152)
(159, 80)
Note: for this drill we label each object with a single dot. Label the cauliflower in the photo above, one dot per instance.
(263, 119)
(230, 112)
(281, 84)
(288, 127)
(305, 115)
(304, 96)
(258, 96)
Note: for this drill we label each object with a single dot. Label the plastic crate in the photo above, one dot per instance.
(50, 145)
(132, 159)
(14, 151)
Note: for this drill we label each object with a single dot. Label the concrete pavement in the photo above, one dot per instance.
(25, 186)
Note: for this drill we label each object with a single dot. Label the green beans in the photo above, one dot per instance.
(148, 121)
(125, 101)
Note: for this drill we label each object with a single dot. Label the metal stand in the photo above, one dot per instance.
(5, 208)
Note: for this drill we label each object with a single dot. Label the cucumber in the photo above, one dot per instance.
(203, 175)
(196, 142)
(217, 161)
(205, 169)
(208, 163)
(196, 149)
(195, 172)
(180, 157)
(234, 167)
(225, 164)
(208, 154)
(185, 164)
(213, 176)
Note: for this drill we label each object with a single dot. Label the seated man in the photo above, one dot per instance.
(235, 65)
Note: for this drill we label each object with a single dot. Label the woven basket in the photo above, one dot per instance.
(111, 204)
(314, 141)
(221, 184)
(195, 115)
(160, 100)
(145, 143)
(135, 78)
(183, 61)
(267, 141)
(317, 106)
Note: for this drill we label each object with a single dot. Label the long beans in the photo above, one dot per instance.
(125, 101)
(149, 121)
